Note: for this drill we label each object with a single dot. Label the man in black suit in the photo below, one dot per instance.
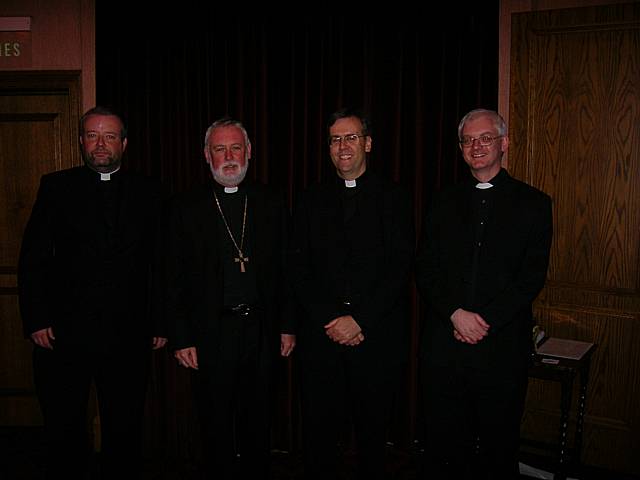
(225, 282)
(482, 260)
(86, 281)
(352, 252)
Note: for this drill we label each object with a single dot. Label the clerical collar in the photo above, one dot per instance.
(496, 181)
(223, 189)
(105, 177)
(360, 181)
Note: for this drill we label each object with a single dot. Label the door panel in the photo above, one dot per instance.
(39, 116)
(574, 118)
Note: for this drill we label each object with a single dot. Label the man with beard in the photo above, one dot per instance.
(86, 281)
(225, 289)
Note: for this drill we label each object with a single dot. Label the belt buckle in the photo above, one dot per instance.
(347, 305)
(346, 301)
(243, 309)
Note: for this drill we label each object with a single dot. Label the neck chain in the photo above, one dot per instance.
(241, 259)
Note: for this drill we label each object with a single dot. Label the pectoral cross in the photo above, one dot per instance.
(240, 259)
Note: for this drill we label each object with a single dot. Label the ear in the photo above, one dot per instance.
(367, 144)
(248, 150)
(504, 144)
(124, 144)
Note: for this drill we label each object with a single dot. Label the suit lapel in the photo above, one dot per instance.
(463, 212)
(126, 219)
(84, 202)
(207, 216)
(335, 227)
(262, 246)
(502, 204)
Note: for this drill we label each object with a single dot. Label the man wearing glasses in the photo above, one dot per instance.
(482, 260)
(352, 251)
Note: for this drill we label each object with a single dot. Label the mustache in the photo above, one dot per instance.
(230, 163)
(100, 150)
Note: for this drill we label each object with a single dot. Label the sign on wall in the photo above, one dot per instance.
(15, 42)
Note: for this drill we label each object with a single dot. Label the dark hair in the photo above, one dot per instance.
(98, 110)
(349, 112)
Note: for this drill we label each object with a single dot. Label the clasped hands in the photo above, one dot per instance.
(345, 331)
(468, 327)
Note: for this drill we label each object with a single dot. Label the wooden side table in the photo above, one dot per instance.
(565, 371)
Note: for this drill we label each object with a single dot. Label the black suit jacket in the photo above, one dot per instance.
(512, 268)
(93, 285)
(195, 271)
(318, 256)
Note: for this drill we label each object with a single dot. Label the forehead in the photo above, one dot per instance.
(479, 124)
(226, 135)
(105, 123)
(346, 125)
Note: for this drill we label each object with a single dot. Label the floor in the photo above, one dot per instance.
(22, 452)
(22, 458)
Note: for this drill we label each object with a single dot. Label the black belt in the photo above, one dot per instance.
(242, 309)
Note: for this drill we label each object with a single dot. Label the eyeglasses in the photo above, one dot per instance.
(351, 139)
(484, 140)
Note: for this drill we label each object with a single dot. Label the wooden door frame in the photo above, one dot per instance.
(40, 83)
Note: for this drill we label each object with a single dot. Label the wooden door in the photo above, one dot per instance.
(575, 133)
(39, 116)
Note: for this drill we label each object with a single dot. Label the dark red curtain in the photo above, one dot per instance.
(414, 74)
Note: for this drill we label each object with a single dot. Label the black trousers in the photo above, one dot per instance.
(234, 400)
(472, 422)
(63, 378)
(349, 385)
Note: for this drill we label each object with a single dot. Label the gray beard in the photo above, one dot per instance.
(230, 181)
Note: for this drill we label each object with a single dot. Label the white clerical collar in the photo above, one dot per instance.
(484, 185)
(105, 177)
(231, 189)
(349, 183)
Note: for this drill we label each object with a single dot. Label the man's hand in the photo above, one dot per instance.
(43, 338)
(187, 357)
(357, 340)
(344, 330)
(159, 342)
(469, 327)
(287, 344)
